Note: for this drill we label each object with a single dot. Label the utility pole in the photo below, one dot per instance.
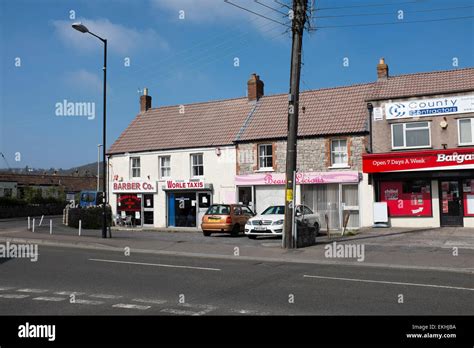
(299, 18)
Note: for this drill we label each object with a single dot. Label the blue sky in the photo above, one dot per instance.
(191, 59)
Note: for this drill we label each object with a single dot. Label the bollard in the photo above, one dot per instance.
(41, 221)
(50, 226)
(33, 228)
(29, 223)
(80, 223)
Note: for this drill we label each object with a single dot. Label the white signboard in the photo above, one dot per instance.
(380, 212)
(133, 186)
(429, 107)
(378, 114)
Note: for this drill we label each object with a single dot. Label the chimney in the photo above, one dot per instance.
(254, 87)
(145, 101)
(382, 70)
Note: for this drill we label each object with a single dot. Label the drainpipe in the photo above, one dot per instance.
(370, 107)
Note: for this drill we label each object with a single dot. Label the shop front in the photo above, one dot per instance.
(428, 188)
(186, 202)
(333, 194)
(135, 201)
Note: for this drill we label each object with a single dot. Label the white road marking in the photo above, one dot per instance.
(69, 293)
(105, 296)
(247, 311)
(80, 301)
(157, 265)
(13, 296)
(394, 283)
(46, 298)
(130, 306)
(205, 309)
(6, 288)
(145, 300)
(178, 311)
(40, 291)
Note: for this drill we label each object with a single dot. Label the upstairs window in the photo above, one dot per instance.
(197, 165)
(135, 167)
(465, 131)
(339, 153)
(265, 156)
(411, 135)
(165, 166)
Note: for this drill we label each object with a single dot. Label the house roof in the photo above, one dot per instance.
(436, 82)
(339, 110)
(211, 123)
(69, 182)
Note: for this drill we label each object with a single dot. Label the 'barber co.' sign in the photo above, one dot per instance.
(429, 107)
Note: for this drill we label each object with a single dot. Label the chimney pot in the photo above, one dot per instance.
(382, 70)
(255, 87)
(145, 101)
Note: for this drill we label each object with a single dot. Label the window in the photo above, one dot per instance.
(165, 166)
(465, 131)
(339, 153)
(411, 135)
(247, 211)
(7, 192)
(218, 209)
(135, 167)
(274, 210)
(265, 156)
(197, 165)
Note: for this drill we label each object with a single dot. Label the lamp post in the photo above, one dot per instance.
(83, 29)
(98, 166)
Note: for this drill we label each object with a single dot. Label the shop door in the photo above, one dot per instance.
(245, 196)
(185, 209)
(148, 210)
(204, 202)
(451, 209)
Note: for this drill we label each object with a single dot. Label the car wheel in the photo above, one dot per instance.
(252, 237)
(235, 230)
(206, 233)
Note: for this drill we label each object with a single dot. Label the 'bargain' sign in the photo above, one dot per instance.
(462, 158)
(429, 107)
(133, 187)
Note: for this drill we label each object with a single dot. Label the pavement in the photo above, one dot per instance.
(443, 249)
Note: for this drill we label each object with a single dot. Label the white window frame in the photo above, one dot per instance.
(339, 165)
(193, 165)
(132, 167)
(459, 131)
(161, 167)
(405, 138)
(264, 156)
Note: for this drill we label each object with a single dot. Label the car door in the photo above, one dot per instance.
(239, 217)
(309, 216)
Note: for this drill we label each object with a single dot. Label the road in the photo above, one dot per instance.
(111, 283)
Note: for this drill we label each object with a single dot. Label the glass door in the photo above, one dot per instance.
(451, 209)
(148, 209)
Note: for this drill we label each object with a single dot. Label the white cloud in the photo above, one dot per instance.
(120, 39)
(84, 80)
(212, 11)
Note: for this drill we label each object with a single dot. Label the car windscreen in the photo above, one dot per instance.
(218, 209)
(276, 209)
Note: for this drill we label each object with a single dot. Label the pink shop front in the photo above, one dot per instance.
(329, 193)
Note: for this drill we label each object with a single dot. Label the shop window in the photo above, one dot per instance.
(135, 167)
(407, 198)
(197, 165)
(411, 135)
(265, 156)
(339, 153)
(165, 166)
(7, 192)
(465, 131)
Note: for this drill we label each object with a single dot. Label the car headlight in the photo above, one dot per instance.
(278, 222)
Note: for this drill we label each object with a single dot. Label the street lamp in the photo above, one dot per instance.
(98, 166)
(83, 29)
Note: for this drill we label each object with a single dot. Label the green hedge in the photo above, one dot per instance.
(91, 217)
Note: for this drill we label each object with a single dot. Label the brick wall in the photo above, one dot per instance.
(313, 154)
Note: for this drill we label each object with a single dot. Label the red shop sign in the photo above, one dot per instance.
(462, 158)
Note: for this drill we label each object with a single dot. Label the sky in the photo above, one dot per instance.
(187, 51)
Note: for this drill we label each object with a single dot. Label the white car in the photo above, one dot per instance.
(270, 221)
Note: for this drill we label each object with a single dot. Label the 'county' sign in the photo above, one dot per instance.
(430, 107)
